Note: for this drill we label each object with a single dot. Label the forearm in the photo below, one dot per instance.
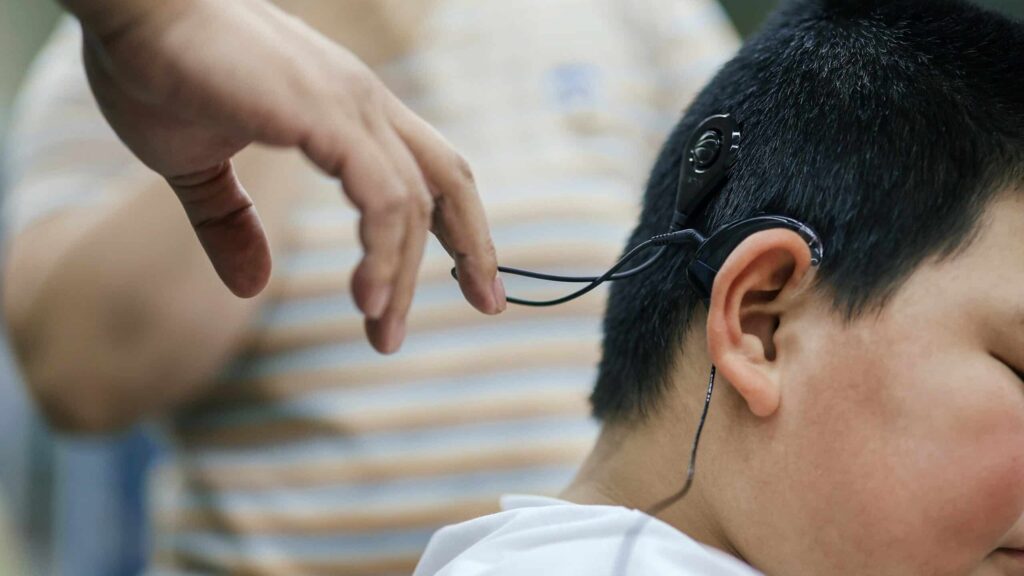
(130, 319)
(126, 318)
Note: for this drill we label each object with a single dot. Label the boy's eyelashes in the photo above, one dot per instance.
(1018, 373)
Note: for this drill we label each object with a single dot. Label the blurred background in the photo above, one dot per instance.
(25, 24)
(54, 492)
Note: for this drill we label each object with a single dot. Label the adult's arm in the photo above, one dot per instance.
(112, 308)
(186, 84)
(113, 311)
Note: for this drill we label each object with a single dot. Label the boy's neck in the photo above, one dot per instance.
(639, 465)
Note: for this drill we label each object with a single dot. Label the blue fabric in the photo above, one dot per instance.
(101, 525)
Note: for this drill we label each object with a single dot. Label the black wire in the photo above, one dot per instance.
(692, 469)
(662, 241)
(632, 536)
(595, 282)
(581, 279)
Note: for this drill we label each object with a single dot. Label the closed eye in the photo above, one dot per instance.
(1020, 375)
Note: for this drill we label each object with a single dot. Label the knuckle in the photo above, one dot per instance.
(462, 171)
(424, 205)
(482, 255)
(489, 252)
(357, 92)
(359, 84)
(388, 203)
(376, 268)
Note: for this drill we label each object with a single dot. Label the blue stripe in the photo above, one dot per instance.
(302, 311)
(224, 549)
(43, 196)
(272, 548)
(396, 493)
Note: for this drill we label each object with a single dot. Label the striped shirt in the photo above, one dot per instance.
(311, 454)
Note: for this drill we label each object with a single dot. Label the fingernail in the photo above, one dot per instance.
(378, 303)
(396, 337)
(499, 294)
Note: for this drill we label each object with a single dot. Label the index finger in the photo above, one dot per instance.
(459, 220)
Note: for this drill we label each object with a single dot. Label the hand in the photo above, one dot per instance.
(186, 84)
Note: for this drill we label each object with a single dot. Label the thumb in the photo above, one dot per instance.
(227, 225)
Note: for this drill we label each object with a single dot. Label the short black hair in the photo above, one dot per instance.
(887, 126)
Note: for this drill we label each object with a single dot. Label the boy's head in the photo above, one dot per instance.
(871, 414)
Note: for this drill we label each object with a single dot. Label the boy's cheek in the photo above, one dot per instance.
(1002, 485)
(964, 475)
(963, 461)
(918, 471)
(933, 508)
(983, 497)
(985, 439)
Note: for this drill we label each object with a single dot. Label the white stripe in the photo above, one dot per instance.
(336, 403)
(471, 437)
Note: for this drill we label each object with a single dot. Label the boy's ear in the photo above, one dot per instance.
(751, 295)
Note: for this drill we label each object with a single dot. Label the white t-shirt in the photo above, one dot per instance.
(536, 536)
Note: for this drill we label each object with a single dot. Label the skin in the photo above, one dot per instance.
(889, 445)
(175, 80)
(103, 342)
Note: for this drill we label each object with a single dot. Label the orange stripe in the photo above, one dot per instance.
(367, 470)
(458, 314)
(359, 521)
(381, 469)
(313, 236)
(465, 361)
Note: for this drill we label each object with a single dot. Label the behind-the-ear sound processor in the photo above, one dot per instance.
(710, 153)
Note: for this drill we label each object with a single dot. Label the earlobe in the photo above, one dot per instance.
(749, 299)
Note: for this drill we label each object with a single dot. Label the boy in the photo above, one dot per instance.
(869, 417)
